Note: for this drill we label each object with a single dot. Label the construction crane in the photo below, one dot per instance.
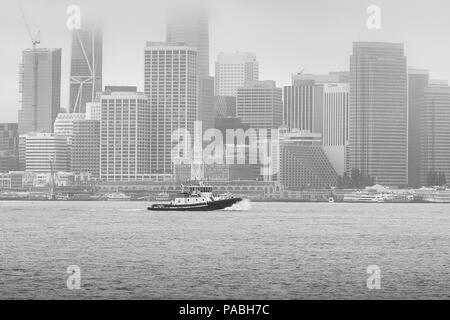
(52, 179)
(35, 39)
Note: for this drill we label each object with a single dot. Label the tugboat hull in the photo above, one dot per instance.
(208, 206)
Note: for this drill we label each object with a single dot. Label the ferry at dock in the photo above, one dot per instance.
(197, 197)
(360, 197)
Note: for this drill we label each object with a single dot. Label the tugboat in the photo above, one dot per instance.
(197, 197)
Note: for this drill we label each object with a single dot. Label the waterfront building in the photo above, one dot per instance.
(45, 152)
(303, 163)
(9, 147)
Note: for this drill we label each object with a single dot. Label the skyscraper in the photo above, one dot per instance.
(418, 80)
(171, 84)
(378, 112)
(259, 105)
(435, 133)
(303, 106)
(187, 23)
(9, 147)
(335, 114)
(124, 136)
(40, 85)
(86, 66)
(235, 70)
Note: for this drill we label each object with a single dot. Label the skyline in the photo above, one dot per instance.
(125, 42)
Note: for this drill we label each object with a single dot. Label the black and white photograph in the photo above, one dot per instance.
(240, 152)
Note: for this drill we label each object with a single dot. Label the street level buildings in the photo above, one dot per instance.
(9, 147)
(46, 152)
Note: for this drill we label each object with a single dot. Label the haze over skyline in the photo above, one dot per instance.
(314, 35)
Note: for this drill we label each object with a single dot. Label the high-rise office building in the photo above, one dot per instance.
(172, 88)
(435, 133)
(259, 105)
(235, 70)
(335, 114)
(86, 65)
(40, 85)
(378, 112)
(124, 136)
(187, 22)
(85, 149)
(418, 80)
(64, 124)
(46, 151)
(303, 106)
(9, 147)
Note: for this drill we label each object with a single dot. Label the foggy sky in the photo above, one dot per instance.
(286, 35)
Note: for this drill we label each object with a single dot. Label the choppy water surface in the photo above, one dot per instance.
(273, 250)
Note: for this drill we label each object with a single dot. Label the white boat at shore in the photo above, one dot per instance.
(163, 196)
(433, 195)
(117, 196)
(364, 197)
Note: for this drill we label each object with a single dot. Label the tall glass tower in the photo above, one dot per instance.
(40, 85)
(378, 112)
(187, 22)
(86, 66)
